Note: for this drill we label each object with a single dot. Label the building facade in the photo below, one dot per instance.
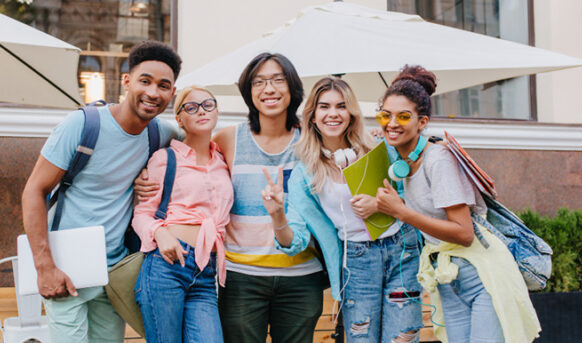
(526, 132)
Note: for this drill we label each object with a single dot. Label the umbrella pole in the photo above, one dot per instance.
(383, 79)
(40, 74)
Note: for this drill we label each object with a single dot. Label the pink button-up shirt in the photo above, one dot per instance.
(202, 195)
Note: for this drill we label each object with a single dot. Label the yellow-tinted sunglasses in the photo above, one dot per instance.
(402, 118)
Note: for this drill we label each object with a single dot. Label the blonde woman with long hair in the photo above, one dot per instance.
(176, 287)
(368, 276)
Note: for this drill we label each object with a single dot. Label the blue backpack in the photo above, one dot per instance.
(532, 254)
(84, 151)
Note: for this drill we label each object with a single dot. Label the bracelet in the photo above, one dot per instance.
(279, 228)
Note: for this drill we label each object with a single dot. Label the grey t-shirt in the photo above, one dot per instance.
(449, 186)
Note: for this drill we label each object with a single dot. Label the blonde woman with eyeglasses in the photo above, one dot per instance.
(176, 287)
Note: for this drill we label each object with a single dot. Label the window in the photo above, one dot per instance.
(105, 30)
(510, 99)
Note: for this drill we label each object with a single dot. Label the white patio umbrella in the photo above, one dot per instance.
(36, 68)
(369, 46)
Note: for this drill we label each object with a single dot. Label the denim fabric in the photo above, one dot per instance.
(468, 309)
(308, 220)
(178, 304)
(375, 308)
(532, 254)
(289, 305)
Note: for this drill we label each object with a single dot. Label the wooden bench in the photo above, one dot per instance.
(325, 326)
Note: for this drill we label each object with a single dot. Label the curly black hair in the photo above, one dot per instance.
(152, 50)
(417, 85)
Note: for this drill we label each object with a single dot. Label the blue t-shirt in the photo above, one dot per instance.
(102, 193)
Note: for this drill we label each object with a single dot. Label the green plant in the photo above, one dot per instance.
(564, 234)
(20, 10)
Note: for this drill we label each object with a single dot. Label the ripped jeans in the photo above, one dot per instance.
(375, 308)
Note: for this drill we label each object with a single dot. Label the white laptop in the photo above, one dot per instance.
(80, 253)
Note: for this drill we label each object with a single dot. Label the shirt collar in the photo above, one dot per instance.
(185, 150)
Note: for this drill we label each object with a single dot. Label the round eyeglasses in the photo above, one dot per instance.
(192, 107)
(402, 118)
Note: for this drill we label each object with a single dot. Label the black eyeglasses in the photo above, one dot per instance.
(192, 107)
(277, 80)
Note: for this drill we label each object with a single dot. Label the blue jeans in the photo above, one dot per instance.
(178, 304)
(375, 308)
(468, 309)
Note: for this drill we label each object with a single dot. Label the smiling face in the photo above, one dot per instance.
(201, 122)
(150, 87)
(402, 136)
(271, 98)
(332, 118)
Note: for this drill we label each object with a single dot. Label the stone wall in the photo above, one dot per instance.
(540, 180)
(543, 181)
(17, 158)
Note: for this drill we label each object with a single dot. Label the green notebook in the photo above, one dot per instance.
(365, 176)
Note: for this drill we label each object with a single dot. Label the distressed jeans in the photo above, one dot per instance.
(178, 304)
(375, 308)
(468, 309)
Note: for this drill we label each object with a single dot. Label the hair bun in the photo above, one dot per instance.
(417, 73)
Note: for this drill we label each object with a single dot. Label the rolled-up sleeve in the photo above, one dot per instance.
(144, 222)
(301, 235)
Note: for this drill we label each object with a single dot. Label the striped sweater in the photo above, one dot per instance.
(250, 247)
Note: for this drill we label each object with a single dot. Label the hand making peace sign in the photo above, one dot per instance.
(273, 196)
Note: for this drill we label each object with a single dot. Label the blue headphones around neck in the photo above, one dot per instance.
(400, 169)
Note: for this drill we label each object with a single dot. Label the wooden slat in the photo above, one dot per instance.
(325, 326)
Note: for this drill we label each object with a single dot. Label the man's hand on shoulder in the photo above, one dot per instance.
(143, 188)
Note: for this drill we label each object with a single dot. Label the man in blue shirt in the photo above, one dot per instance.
(102, 193)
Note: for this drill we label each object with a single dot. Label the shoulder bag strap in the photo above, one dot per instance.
(168, 184)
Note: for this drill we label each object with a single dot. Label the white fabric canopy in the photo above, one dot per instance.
(36, 68)
(345, 38)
